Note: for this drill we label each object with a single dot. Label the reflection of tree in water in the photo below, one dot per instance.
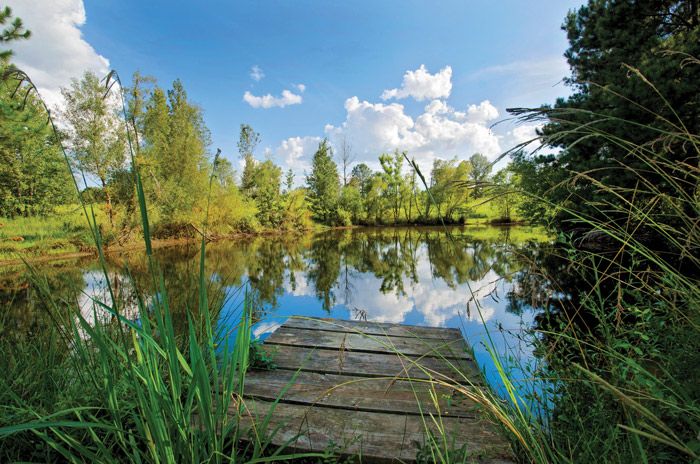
(323, 268)
(331, 262)
(397, 261)
(467, 260)
(558, 291)
(25, 311)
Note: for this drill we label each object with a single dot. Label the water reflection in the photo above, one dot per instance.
(402, 275)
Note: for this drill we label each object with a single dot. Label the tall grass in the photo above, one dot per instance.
(621, 348)
(622, 351)
(134, 390)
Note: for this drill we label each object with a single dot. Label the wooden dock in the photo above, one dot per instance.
(353, 389)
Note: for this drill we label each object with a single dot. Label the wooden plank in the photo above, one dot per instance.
(381, 438)
(373, 328)
(369, 343)
(362, 394)
(327, 361)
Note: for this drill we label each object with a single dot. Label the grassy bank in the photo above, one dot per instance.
(66, 235)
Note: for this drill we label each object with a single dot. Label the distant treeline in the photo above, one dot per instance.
(171, 147)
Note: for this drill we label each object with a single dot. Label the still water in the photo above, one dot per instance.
(414, 275)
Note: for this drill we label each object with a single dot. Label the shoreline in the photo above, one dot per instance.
(164, 243)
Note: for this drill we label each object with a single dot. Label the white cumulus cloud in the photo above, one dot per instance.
(268, 101)
(296, 153)
(481, 113)
(441, 131)
(256, 73)
(524, 133)
(56, 52)
(421, 85)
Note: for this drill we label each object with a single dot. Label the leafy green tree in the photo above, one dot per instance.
(394, 181)
(136, 101)
(375, 206)
(351, 202)
(324, 184)
(97, 135)
(264, 184)
(361, 174)
(156, 135)
(481, 168)
(506, 199)
(449, 186)
(225, 174)
(175, 150)
(289, 180)
(247, 142)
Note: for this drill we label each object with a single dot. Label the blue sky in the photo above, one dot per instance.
(427, 77)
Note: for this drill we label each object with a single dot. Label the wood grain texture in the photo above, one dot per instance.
(379, 343)
(330, 361)
(380, 438)
(371, 387)
(373, 328)
(361, 394)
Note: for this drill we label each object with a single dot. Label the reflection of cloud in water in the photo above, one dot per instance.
(302, 286)
(96, 292)
(265, 328)
(433, 298)
(487, 313)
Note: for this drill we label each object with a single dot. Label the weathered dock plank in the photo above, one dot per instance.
(374, 328)
(380, 438)
(360, 394)
(334, 361)
(449, 348)
(374, 387)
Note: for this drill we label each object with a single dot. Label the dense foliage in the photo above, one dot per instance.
(621, 327)
(631, 62)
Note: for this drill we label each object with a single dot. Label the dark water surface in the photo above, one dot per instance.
(403, 275)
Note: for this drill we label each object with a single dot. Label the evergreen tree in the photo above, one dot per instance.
(247, 142)
(15, 31)
(617, 49)
(33, 173)
(324, 183)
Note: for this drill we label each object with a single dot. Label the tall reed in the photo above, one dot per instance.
(133, 391)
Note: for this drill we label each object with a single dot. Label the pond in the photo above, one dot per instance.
(406, 275)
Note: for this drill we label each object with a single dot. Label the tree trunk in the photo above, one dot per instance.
(109, 203)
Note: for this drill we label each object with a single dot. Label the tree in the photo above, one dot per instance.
(346, 157)
(33, 173)
(617, 51)
(448, 185)
(247, 142)
(323, 183)
(15, 31)
(289, 180)
(506, 199)
(362, 173)
(264, 184)
(481, 168)
(394, 180)
(351, 202)
(175, 149)
(97, 135)
(136, 100)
